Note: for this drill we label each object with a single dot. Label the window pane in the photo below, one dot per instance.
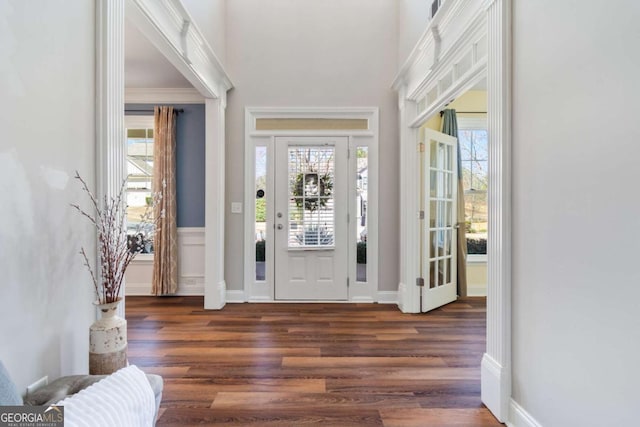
(261, 211)
(139, 181)
(474, 155)
(362, 174)
(311, 204)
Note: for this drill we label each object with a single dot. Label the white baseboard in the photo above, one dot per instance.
(235, 296)
(361, 299)
(495, 387)
(402, 289)
(192, 291)
(388, 297)
(518, 417)
(222, 292)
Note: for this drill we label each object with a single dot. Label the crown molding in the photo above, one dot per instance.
(163, 96)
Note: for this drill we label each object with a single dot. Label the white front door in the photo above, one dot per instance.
(439, 230)
(311, 218)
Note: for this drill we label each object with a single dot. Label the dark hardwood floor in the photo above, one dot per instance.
(312, 364)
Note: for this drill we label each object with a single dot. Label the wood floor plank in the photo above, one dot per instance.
(449, 417)
(361, 362)
(292, 401)
(311, 364)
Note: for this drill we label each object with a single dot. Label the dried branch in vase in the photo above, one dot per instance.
(115, 249)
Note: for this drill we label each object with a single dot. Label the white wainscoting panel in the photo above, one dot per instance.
(190, 266)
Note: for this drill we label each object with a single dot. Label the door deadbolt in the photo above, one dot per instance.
(279, 215)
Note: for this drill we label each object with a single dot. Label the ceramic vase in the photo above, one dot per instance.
(107, 341)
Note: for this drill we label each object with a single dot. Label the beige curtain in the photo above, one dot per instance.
(450, 127)
(165, 259)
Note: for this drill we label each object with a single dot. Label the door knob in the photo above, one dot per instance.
(280, 227)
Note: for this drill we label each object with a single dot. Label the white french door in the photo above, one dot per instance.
(311, 208)
(439, 235)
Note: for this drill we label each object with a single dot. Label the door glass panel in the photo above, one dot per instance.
(441, 272)
(261, 211)
(433, 153)
(433, 239)
(432, 274)
(433, 186)
(433, 208)
(362, 175)
(311, 204)
(448, 271)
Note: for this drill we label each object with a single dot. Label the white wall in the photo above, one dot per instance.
(209, 16)
(298, 53)
(576, 228)
(47, 120)
(413, 16)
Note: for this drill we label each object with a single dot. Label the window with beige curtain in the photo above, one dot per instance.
(165, 261)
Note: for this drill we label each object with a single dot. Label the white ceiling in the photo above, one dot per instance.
(145, 66)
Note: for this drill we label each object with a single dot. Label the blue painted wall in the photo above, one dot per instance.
(190, 161)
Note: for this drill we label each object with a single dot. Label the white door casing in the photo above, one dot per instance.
(476, 40)
(311, 218)
(438, 232)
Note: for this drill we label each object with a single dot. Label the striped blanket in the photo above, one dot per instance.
(123, 399)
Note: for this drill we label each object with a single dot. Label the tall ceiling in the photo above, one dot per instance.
(145, 66)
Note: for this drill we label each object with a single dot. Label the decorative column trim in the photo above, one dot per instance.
(408, 292)
(110, 155)
(214, 284)
(496, 363)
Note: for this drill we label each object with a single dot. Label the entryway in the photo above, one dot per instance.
(311, 197)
